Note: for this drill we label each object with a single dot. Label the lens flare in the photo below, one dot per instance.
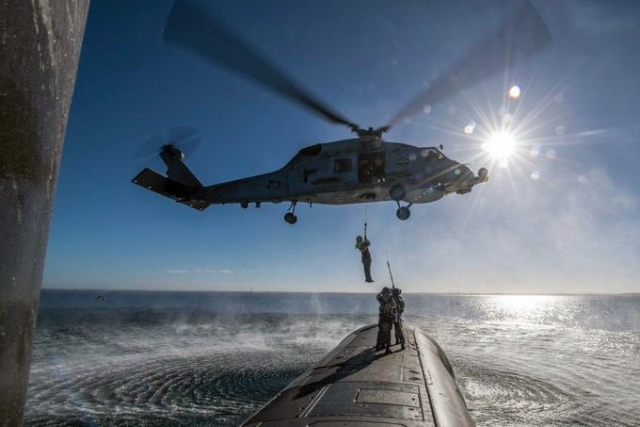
(468, 129)
(514, 92)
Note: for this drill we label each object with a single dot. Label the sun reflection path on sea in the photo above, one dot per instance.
(526, 308)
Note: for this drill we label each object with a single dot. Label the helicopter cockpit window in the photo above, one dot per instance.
(342, 165)
(431, 155)
(312, 150)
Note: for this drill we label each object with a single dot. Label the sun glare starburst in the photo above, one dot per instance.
(513, 139)
(500, 145)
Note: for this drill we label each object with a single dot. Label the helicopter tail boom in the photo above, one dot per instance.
(174, 190)
(180, 184)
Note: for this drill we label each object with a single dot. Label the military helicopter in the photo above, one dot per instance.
(363, 169)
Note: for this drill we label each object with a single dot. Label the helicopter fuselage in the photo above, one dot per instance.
(350, 171)
(359, 170)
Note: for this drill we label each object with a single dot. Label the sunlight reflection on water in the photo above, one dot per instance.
(525, 308)
(180, 359)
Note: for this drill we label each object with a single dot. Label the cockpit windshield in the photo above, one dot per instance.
(431, 154)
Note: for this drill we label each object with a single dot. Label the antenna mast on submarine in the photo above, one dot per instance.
(393, 285)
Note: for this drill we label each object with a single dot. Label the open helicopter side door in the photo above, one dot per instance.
(371, 167)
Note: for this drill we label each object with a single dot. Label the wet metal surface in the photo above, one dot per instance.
(39, 49)
(354, 386)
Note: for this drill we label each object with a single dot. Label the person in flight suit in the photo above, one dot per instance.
(363, 246)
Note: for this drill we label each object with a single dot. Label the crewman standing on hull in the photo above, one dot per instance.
(397, 325)
(387, 316)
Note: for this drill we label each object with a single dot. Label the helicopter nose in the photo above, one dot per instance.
(462, 173)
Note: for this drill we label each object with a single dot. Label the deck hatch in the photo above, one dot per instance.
(381, 400)
(388, 397)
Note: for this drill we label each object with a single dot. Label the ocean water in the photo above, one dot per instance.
(212, 359)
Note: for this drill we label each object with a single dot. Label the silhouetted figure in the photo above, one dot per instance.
(363, 246)
(397, 325)
(386, 318)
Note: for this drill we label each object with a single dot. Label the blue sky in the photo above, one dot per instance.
(560, 216)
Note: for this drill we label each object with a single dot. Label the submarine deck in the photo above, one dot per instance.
(355, 386)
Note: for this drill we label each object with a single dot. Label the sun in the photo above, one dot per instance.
(500, 145)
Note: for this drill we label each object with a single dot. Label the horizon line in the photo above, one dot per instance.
(337, 292)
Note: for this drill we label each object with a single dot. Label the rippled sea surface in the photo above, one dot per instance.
(212, 359)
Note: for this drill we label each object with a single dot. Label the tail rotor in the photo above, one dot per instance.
(184, 140)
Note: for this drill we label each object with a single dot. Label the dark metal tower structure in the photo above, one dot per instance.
(39, 50)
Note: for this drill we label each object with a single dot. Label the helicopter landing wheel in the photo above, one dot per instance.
(290, 218)
(403, 213)
(397, 192)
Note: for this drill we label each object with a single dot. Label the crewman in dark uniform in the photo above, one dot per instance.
(397, 325)
(386, 318)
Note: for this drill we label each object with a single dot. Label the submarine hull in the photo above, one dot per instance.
(354, 386)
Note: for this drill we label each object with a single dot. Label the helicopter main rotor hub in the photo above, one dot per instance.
(369, 133)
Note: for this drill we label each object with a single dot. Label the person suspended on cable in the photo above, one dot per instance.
(362, 244)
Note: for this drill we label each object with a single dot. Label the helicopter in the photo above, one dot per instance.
(363, 169)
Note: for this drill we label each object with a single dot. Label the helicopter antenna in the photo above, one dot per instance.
(393, 285)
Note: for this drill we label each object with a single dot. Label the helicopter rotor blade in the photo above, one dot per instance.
(185, 138)
(191, 26)
(149, 147)
(516, 40)
(181, 135)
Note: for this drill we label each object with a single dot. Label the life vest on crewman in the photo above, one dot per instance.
(362, 244)
(398, 299)
(388, 308)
